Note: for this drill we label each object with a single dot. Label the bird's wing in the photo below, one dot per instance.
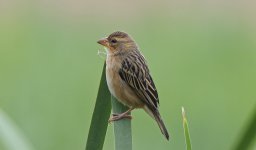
(135, 73)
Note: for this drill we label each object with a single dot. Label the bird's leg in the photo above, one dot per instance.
(121, 116)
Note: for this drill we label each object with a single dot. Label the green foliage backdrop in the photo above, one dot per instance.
(202, 55)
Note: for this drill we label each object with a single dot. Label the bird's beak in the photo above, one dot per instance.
(103, 42)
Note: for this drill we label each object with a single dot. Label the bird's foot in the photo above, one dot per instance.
(117, 117)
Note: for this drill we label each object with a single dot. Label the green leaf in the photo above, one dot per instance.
(186, 131)
(249, 134)
(99, 122)
(122, 128)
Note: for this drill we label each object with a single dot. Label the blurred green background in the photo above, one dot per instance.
(202, 55)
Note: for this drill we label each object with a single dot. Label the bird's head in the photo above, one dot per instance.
(118, 41)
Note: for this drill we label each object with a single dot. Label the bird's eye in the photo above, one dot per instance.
(113, 41)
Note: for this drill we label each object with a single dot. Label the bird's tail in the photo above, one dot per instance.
(156, 115)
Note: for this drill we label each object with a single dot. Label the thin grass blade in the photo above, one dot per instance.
(11, 136)
(122, 128)
(186, 130)
(99, 122)
(249, 134)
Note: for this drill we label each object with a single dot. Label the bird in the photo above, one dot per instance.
(128, 78)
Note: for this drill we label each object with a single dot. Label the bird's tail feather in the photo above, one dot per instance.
(156, 115)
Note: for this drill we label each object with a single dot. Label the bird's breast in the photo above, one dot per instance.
(112, 76)
(119, 88)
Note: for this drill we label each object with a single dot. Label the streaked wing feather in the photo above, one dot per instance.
(135, 73)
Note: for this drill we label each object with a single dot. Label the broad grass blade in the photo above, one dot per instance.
(99, 122)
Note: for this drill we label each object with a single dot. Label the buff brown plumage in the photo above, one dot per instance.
(129, 79)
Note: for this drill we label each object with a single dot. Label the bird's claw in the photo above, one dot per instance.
(117, 117)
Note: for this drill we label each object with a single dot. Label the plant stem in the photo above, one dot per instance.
(122, 128)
